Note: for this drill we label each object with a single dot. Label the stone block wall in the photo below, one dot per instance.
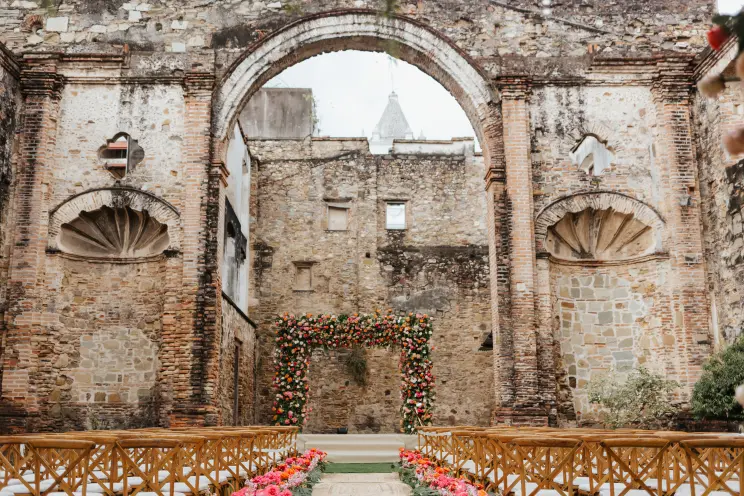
(238, 337)
(609, 320)
(438, 265)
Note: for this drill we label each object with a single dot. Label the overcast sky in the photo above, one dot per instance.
(351, 90)
(730, 6)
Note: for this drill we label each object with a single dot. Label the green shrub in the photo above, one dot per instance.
(644, 400)
(713, 395)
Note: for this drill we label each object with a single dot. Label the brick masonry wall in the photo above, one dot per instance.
(238, 332)
(10, 105)
(439, 265)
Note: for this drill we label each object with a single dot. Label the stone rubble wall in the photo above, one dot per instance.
(487, 29)
(439, 265)
(722, 190)
(237, 329)
(609, 320)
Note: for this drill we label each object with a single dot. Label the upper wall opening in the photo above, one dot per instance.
(407, 39)
(356, 94)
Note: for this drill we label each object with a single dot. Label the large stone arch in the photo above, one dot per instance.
(367, 30)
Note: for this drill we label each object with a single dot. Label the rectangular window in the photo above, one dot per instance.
(395, 216)
(338, 218)
(303, 277)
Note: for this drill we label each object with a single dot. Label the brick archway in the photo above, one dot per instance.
(404, 38)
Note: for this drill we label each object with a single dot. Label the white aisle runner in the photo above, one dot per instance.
(361, 485)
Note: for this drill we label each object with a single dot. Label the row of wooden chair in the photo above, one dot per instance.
(146, 462)
(563, 462)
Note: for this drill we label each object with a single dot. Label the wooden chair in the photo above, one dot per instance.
(715, 466)
(636, 466)
(545, 466)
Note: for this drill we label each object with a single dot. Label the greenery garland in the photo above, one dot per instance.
(296, 337)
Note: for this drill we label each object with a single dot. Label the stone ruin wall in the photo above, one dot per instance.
(101, 354)
(484, 29)
(500, 39)
(607, 318)
(722, 189)
(237, 332)
(439, 265)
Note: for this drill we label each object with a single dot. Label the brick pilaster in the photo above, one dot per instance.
(688, 336)
(193, 345)
(546, 342)
(27, 316)
(516, 124)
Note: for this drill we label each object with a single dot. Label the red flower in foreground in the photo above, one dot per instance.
(717, 37)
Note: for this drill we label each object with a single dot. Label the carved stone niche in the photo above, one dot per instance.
(114, 223)
(600, 226)
(114, 233)
(599, 235)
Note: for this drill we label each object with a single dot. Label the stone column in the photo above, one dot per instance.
(687, 339)
(191, 349)
(519, 190)
(27, 317)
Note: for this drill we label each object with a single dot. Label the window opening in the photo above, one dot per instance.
(395, 216)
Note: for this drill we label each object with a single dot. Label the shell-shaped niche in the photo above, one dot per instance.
(599, 235)
(114, 233)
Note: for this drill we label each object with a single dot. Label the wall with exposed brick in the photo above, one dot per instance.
(10, 104)
(438, 265)
(490, 29)
(154, 70)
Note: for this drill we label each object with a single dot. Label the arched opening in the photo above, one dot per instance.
(391, 212)
(364, 30)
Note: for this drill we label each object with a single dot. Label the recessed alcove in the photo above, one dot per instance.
(599, 226)
(119, 232)
(599, 235)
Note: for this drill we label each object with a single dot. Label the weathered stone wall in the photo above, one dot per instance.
(622, 116)
(609, 320)
(722, 190)
(238, 336)
(488, 29)
(438, 265)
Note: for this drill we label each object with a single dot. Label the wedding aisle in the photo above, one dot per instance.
(361, 485)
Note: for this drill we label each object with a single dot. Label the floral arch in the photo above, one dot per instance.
(296, 337)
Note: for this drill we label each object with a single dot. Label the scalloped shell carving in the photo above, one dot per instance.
(114, 233)
(600, 235)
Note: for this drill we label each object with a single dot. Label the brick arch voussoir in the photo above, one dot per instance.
(598, 129)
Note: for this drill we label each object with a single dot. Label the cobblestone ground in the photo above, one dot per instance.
(361, 485)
